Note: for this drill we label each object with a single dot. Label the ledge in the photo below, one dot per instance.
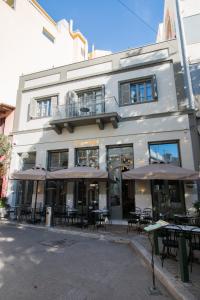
(99, 119)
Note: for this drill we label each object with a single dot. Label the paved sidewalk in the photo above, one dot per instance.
(45, 264)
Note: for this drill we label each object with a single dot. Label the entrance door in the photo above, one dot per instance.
(128, 192)
(121, 193)
(168, 197)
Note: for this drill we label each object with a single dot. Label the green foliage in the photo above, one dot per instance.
(3, 202)
(5, 148)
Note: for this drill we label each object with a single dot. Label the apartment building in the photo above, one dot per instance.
(169, 29)
(116, 112)
(32, 41)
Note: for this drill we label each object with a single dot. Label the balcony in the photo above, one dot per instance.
(85, 112)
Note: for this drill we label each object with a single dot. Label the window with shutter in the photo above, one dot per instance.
(43, 107)
(33, 109)
(125, 94)
(138, 91)
(54, 105)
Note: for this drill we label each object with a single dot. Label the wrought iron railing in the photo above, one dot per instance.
(85, 107)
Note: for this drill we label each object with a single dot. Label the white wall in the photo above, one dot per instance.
(165, 82)
(24, 48)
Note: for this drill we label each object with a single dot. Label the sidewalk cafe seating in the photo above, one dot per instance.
(194, 245)
(146, 216)
(134, 218)
(170, 242)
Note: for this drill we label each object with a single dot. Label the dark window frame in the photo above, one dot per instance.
(85, 148)
(139, 80)
(42, 98)
(162, 142)
(49, 158)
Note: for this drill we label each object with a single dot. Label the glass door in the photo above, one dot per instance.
(121, 193)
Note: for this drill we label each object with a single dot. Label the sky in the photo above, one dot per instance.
(107, 23)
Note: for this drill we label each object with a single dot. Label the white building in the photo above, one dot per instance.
(190, 17)
(114, 112)
(32, 41)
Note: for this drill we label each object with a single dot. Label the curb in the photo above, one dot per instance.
(175, 288)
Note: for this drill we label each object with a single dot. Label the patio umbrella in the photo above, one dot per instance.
(35, 174)
(162, 172)
(79, 173)
(76, 173)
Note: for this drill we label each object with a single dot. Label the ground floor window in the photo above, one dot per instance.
(87, 157)
(167, 195)
(57, 159)
(121, 193)
(27, 160)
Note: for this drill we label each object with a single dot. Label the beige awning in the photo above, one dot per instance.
(30, 174)
(76, 173)
(161, 171)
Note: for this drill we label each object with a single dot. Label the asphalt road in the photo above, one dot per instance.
(43, 265)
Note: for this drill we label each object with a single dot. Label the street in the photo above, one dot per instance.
(41, 264)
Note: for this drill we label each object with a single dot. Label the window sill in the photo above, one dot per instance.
(138, 103)
(37, 118)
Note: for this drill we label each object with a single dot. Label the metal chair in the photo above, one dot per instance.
(170, 242)
(194, 245)
(133, 221)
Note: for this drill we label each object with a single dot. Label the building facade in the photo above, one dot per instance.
(116, 112)
(189, 11)
(32, 41)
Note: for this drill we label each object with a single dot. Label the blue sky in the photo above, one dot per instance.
(106, 23)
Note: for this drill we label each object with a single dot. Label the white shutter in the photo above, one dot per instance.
(33, 109)
(54, 105)
(125, 93)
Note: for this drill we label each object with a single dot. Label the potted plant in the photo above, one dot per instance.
(3, 206)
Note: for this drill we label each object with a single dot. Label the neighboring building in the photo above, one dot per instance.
(190, 16)
(6, 124)
(32, 41)
(114, 112)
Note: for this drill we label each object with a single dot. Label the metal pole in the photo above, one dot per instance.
(183, 52)
(36, 192)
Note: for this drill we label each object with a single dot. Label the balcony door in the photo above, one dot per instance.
(90, 102)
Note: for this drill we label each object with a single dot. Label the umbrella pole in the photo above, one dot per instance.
(36, 192)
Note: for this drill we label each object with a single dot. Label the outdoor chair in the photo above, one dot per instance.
(195, 221)
(25, 214)
(146, 216)
(194, 245)
(170, 242)
(133, 222)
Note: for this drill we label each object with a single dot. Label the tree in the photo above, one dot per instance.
(5, 148)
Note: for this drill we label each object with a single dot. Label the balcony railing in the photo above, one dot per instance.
(85, 107)
(85, 112)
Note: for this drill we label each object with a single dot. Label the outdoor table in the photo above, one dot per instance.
(182, 217)
(182, 249)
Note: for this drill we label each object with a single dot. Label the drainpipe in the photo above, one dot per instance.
(184, 57)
